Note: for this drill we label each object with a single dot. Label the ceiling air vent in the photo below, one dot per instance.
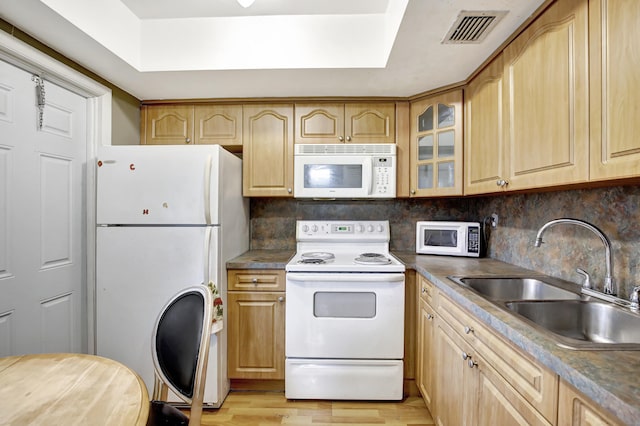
(472, 27)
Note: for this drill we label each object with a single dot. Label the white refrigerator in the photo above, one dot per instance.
(168, 217)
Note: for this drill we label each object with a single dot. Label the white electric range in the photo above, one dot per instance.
(344, 313)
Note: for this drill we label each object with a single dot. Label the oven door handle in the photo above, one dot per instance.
(346, 277)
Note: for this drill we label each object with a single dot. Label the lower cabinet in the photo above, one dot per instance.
(255, 323)
(469, 375)
(575, 409)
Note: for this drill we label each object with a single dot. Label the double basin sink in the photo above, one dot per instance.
(558, 308)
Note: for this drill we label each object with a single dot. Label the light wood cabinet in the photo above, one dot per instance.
(219, 125)
(326, 123)
(485, 393)
(484, 150)
(267, 167)
(436, 146)
(425, 342)
(256, 321)
(184, 124)
(575, 409)
(614, 36)
(166, 124)
(546, 99)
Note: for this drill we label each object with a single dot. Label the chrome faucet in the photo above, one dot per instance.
(609, 284)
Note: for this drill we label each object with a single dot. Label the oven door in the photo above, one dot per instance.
(345, 315)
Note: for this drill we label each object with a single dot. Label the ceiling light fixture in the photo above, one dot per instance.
(245, 3)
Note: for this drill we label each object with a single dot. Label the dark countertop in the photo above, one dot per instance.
(261, 259)
(609, 378)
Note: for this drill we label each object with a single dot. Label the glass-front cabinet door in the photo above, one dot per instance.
(436, 145)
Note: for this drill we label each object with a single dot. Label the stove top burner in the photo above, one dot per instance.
(311, 260)
(372, 259)
(322, 255)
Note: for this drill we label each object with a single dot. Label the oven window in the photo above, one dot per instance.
(441, 237)
(334, 304)
(333, 175)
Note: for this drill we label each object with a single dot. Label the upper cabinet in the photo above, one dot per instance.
(546, 100)
(615, 88)
(326, 123)
(166, 124)
(436, 145)
(484, 140)
(180, 124)
(267, 166)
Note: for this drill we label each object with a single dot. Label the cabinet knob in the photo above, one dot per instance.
(468, 330)
(424, 290)
(348, 138)
(471, 363)
(413, 192)
(254, 280)
(281, 299)
(429, 316)
(502, 183)
(340, 138)
(465, 356)
(289, 190)
(187, 140)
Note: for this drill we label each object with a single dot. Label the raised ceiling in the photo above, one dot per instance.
(184, 49)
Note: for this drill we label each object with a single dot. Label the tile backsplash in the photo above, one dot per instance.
(614, 210)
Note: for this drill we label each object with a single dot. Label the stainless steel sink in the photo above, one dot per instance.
(590, 325)
(520, 288)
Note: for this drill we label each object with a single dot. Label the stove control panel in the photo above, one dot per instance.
(366, 230)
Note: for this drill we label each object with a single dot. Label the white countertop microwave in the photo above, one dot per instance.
(345, 171)
(449, 238)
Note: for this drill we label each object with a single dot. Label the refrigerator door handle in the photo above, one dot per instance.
(207, 255)
(207, 190)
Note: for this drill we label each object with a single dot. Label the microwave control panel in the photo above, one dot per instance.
(473, 239)
(382, 169)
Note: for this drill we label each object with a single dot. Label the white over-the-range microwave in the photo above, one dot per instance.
(345, 171)
(449, 238)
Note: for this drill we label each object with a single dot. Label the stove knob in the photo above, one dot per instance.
(380, 228)
(370, 228)
(314, 228)
(359, 228)
(305, 228)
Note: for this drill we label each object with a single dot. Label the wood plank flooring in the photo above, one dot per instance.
(272, 408)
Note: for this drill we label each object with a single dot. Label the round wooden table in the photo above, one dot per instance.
(70, 389)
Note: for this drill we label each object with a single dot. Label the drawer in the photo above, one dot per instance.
(426, 289)
(536, 384)
(255, 280)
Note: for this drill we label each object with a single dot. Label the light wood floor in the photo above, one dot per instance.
(272, 408)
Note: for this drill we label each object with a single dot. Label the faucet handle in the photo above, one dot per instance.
(635, 299)
(587, 279)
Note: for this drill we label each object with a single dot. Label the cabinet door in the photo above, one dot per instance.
(219, 125)
(436, 146)
(167, 124)
(483, 135)
(546, 99)
(454, 381)
(267, 167)
(615, 84)
(256, 335)
(574, 409)
(425, 370)
(370, 123)
(319, 123)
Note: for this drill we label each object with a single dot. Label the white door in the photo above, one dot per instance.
(42, 219)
